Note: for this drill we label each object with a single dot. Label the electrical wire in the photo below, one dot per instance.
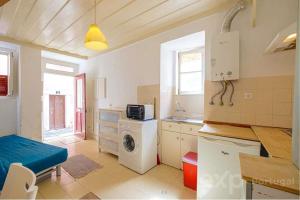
(231, 94)
(212, 98)
(224, 91)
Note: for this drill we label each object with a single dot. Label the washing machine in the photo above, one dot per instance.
(138, 144)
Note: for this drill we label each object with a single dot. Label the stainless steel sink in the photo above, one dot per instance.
(178, 119)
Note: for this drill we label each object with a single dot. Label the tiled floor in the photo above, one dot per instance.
(114, 180)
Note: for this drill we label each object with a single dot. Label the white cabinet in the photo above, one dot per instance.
(177, 140)
(108, 130)
(219, 166)
(171, 148)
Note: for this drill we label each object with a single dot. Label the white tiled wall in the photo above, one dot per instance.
(270, 105)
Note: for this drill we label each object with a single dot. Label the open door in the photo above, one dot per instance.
(80, 106)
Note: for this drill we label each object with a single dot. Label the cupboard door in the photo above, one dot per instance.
(171, 149)
(188, 143)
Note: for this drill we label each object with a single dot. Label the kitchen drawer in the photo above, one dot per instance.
(171, 126)
(108, 124)
(110, 116)
(190, 129)
(109, 146)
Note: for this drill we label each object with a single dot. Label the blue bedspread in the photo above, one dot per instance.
(35, 155)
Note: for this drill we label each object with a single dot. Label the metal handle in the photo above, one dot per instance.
(177, 138)
(225, 153)
(181, 139)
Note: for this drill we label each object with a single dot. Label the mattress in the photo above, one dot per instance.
(35, 155)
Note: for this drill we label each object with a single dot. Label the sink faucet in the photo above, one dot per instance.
(179, 108)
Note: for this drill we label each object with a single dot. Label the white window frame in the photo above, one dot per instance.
(178, 73)
(8, 53)
(46, 61)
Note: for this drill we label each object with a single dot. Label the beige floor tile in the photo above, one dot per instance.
(75, 190)
(39, 196)
(114, 181)
(64, 179)
(50, 190)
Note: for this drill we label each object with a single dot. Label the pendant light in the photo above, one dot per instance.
(95, 39)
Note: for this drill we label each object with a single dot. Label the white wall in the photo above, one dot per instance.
(193, 104)
(139, 63)
(8, 105)
(30, 86)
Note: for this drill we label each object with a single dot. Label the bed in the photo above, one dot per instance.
(39, 157)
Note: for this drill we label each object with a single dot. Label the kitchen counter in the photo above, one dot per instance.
(271, 172)
(277, 143)
(188, 121)
(277, 171)
(229, 131)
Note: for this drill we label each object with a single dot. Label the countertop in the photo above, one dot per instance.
(276, 171)
(277, 143)
(229, 131)
(117, 109)
(188, 121)
(271, 172)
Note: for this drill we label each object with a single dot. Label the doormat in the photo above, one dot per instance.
(79, 166)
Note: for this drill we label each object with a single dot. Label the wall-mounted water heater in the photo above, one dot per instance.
(225, 56)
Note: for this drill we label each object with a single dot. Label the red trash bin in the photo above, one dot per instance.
(190, 170)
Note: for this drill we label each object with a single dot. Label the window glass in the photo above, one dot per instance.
(59, 67)
(79, 93)
(190, 77)
(4, 64)
(191, 62)
(191, 83)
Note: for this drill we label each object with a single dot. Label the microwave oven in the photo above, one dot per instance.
(140, 111)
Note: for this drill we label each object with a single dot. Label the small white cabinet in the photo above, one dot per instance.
(108, 130)
(177, 140)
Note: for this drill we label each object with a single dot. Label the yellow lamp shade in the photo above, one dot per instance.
(95, 39)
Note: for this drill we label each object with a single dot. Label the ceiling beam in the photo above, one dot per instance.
(18, 42)
(2, 2)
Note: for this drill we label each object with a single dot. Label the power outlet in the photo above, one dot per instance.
(248, 95)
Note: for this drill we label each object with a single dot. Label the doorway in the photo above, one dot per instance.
(58, 106)
(57, 112)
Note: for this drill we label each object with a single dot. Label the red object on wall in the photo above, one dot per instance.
(3, 85)
(190, 170)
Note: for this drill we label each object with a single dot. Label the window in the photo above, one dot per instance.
(190, 73)
(59, 68)
(4, 72)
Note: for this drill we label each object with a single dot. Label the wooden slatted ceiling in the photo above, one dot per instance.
(62, 24)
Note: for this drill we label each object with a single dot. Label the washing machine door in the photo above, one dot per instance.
(128, 143)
